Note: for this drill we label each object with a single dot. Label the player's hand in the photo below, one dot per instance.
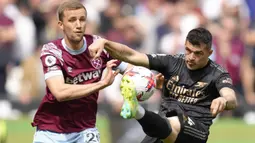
(218, 105)
(96, 48)
(159, 81)
(110, 74)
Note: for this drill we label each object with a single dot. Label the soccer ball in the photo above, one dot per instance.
(144, 81)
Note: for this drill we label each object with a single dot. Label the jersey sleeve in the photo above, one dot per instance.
(224, 80)
(51, 61)
(162, 62)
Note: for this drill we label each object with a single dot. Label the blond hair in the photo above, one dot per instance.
(69, 5)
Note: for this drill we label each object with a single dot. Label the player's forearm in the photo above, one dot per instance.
(125, 53)
(230, 96)
(231, 100)
(71, 92)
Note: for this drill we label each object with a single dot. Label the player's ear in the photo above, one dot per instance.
(210, 52)
(60, 24)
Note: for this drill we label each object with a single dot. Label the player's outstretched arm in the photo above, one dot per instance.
(64, 92)
(227, 101)
(119, 51)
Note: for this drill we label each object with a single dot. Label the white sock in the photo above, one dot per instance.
(140, 112)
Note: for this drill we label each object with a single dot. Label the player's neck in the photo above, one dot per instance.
(206, 63)
(74, 45)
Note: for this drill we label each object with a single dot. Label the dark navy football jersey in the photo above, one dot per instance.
(189, 90)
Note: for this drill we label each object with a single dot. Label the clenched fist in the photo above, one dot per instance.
(218, 105)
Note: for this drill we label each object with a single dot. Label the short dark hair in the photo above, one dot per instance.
(69, 5)
(200, 35)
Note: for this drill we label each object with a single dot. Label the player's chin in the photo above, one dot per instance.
(77, 39)
(191, 67)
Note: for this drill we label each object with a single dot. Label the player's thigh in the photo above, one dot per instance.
(176, 127)
(44, 136)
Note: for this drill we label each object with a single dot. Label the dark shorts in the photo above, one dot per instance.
(192, 131)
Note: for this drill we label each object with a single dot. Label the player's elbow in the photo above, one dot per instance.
(60, 99)
(60, 96)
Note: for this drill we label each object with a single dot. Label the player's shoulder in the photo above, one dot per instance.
(94, 38)
(91, 37)
(218, 69)
(52, 48)
(179, 56)
(176, 56)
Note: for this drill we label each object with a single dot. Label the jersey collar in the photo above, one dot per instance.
(74, 52)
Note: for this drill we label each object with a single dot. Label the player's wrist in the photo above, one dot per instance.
(104, 41)
(103, 84)
(225, 102)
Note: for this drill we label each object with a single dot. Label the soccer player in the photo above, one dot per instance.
(195, 89)
(67, 113)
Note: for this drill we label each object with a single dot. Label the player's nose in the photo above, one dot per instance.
(78, 24)
(192, 56)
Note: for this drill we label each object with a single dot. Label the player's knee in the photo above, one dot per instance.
(162, 131)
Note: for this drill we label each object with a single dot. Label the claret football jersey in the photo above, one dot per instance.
(77, 67)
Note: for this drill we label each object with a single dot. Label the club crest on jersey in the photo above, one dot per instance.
(200, 84)
(96, 63)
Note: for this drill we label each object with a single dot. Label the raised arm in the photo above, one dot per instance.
(119, 51)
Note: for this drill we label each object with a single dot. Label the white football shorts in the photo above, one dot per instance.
(90, 135)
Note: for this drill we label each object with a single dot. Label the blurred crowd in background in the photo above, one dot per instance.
(150, 26)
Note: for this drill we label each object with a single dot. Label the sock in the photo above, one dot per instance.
(140, 112)
(154, 125)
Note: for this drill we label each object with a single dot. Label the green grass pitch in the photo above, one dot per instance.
(223, 131)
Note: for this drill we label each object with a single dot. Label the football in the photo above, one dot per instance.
(143, 80)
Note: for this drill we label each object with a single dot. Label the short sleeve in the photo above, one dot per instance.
(224, 80)
(50, 61)
(162, 62)
(122, 66)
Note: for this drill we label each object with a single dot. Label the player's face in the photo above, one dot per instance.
(74, 24)
(196, 57)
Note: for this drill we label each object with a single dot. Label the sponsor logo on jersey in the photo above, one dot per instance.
(53, 68)
(155, 55)
(96, 63)
(82, 77)
(183, 94)
(227, 80)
